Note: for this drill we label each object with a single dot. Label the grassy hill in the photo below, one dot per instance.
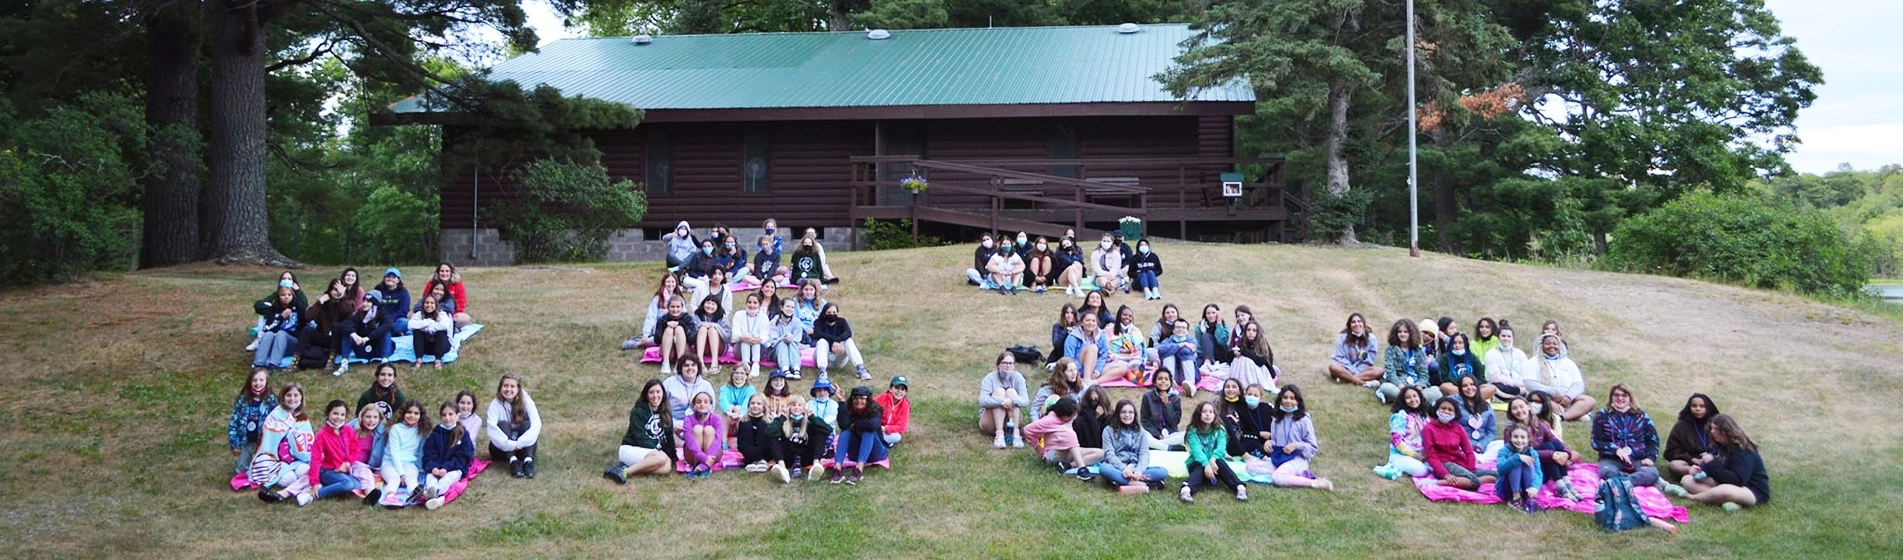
(119, 390)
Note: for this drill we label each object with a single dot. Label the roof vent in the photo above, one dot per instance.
(878, 34)
(1128, 28)
(643, 39)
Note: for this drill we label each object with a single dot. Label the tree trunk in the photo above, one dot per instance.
(171, 111)
(836, 16)
(1337, 138)
(237, 227)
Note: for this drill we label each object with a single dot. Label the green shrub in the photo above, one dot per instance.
(69, 190)
(881, 236)
(563, 211)
(396, 226)
(1743, 240)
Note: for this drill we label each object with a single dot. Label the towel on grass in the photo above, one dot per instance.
(405, 348)
(1585, 480)
(653, 356)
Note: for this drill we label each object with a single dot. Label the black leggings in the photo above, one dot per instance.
(431, 344)
(798, 455)
(498, 455)
(1198, 481)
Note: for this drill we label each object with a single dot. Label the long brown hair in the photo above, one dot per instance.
(244, 392)
(1348, 331)
(1060, 386)
(378, 391)
(1735, 438)
(518, 412)
(456, 428)
(296, 413)
(1196, 417)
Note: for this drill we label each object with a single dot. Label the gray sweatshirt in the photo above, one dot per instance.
(991, 384)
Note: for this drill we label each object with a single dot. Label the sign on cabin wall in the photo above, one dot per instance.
(1232, 184)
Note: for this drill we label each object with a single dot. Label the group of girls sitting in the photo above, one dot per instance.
(1443, 419)
(1077, 426)
(349, 321)
(1107, 346)
(1007, 265)
(768, 326)
(386, 449)
(697, 258)
(682, 423)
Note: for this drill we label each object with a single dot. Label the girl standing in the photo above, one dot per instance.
(514, 426)
(248, 411)
(1293, 443)
(1205, 441)
(446, 456)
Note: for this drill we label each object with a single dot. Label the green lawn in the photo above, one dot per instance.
(114, 439)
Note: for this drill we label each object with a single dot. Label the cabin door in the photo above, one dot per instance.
(898, 139)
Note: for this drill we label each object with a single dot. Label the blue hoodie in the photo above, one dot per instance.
(1074, 347)
(440, 452)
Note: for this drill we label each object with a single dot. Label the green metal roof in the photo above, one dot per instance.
(996, 66)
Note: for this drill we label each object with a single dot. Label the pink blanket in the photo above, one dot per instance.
(394, 498)
(728, 460)
(653, 356)
(1206, 383)
(1585, 480)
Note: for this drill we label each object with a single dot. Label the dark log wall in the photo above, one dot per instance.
(809, 168)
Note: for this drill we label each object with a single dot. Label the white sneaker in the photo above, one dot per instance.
(817, 473)
(304, 499)
(757, 467)
(1184, 494)
(252, 347)
(779, 470)
(434, 503)
(997, 441)
(1242, 493)
(341, 368)
(1371, 384)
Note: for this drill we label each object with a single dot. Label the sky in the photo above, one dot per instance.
(1857, 118)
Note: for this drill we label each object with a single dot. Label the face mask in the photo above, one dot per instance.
(1144, 249)
(769, 231)
(1103, 244)
(1022, 240)
(1041, 247)
(707, 250)
(1229, 399)
(797, 417)
(1459, 352)
(1007, 247)
(1444, 416)
(1252, 400)
(1289, 409)
(1553, 357)
(730, 246)
(987, 244)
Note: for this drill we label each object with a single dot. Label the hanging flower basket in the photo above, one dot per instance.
(915, 184)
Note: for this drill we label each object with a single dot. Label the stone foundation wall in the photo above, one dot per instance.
(628, 245)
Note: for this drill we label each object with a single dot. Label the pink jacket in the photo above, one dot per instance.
(335, 448)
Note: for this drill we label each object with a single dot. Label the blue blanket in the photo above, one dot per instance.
(405, 350)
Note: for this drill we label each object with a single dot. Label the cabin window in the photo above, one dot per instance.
(756, 169)
(659, 161)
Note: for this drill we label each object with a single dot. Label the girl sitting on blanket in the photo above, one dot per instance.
(648, 445)
(1126, 454)
(704, 437)
(1207, 465)
(1212, 337)
(1354, 357)
(788, 340)
(514, 426)
(1230, 405)
(683, 385)
(372, 436)
(1162, 414)
(248, 411)
(1476, 417)
(1254, 419)
(1127, 353)
(289, 426)
(1039, 262)
(1293, 443)
(766, 262)
(1449, 451)
(1519, 467)
(334, 452)
(466, 413)
(861, 428)
(1404, 436)
(278, 324)
(286, 279)
(667, 288)
(799, 437)
(1732, 475)
(1555, 457)
(673, 332)
(429, 333)
(1091, 410)
(1177, 352)
(1165, 324)
(717, 286)
(1065, 381)
(733, 398)
(1067, 264)
(403, 450)
(779, 394)
(453, 286)
(752, 328)
(446, 456)
(1060, 331)
(383, 392)
(832, 340)
(1255, 359)
(752, 436)
(1404, 364)
(1144, 270)
(711, 333)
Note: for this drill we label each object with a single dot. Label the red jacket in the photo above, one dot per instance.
(1446, 442)
(334, 448)
(898, 413)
